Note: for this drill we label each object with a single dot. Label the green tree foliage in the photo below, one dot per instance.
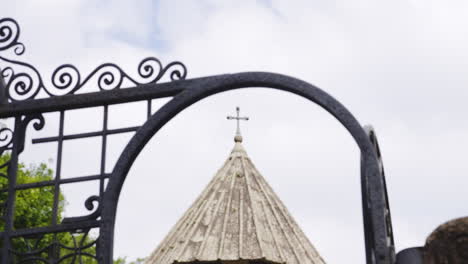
(123, 260)
(33, 208)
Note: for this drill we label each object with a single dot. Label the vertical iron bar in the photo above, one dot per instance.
(148, 109)
(103, 149)
(10, 202)
(99, 254)
(58, 170)
(3, 90)
(55, 254)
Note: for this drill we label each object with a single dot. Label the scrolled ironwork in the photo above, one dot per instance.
(42, 250)
(89, 204)
(24, 81)
(79, 248)
(6, 138)
(21, 85)
(37, 120)
(38, 123)
(66, 79)
(9, 36)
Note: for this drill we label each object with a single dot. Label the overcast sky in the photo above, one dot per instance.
(399, 65)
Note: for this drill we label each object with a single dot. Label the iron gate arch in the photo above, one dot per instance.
(33, 98)
(379, 241)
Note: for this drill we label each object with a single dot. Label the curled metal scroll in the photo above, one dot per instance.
(89, 204)
(7, 136)
(38, 123)
(6, 139)
(9, 36)
(24, 82)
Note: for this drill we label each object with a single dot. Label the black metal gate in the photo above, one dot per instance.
(24, 97)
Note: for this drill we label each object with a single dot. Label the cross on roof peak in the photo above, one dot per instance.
(238, 137)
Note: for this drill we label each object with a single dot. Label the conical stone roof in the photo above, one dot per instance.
(237, 217)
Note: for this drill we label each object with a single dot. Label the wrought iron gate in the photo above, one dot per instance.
(25, 98)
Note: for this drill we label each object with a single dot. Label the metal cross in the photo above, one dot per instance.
(238, 118)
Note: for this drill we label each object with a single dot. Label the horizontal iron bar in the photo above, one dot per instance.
(86, 135)
(54, 229)
(61, 181)
(76, 101)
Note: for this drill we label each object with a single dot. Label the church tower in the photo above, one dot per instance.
(238, 218)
